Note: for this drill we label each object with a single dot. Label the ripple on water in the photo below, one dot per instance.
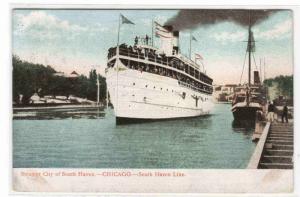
(90, 139)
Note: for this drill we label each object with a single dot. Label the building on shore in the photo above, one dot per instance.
(73, 74)
(224, 93)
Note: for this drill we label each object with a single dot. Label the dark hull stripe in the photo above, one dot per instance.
(124, 120)
(245, 113)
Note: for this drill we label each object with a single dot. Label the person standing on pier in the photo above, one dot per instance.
(284, 115)
(271, 110)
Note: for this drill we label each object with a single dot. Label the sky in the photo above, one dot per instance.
(78, 40)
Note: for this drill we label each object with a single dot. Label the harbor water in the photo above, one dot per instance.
(89, 138)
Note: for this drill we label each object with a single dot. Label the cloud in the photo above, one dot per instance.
(41, 25)
(229, 36)
(280, 30)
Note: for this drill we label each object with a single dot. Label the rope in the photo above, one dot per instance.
(243, 67)
(254, 61)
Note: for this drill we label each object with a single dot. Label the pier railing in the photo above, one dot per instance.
(254, 161)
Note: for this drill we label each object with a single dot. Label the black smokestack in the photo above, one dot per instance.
(190, 19)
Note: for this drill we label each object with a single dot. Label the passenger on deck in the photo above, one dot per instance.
(136, 40)
(146, 39)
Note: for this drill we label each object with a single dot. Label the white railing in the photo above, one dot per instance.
(181, 83)
(159, 60)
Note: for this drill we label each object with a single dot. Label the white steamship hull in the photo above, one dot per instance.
(143, 96)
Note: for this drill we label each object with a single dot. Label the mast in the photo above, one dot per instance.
(264, 68)
(98, 91)
(249, 51)
(260, 74)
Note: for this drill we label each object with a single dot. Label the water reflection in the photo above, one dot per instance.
(245, 127)
(56, 114)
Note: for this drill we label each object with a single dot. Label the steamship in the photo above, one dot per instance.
(146, 83)
(250, 98)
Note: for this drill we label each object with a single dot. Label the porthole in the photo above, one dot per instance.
(160, 88)
(133, 84)
(146, 86)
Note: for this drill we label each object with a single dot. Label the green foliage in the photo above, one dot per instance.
(29, 78)
(284, 84)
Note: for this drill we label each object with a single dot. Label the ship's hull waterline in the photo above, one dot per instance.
(245, 113)
(141, 97)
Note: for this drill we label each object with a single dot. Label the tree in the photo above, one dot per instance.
(29, 78)
(284, 84)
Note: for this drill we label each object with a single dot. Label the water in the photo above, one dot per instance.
(90, 139)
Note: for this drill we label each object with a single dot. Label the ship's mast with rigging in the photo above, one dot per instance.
(249, 57)
(249, 49)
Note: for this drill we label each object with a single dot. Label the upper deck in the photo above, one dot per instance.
(148, 53)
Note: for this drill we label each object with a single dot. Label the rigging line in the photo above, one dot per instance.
(254, 61)
(243, 67)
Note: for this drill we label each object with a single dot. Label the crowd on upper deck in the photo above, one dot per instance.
(172, 61)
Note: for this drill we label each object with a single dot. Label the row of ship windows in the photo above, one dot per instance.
(146, 86)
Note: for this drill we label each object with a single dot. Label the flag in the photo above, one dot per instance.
(160, 31)
(158, 34)
(198, 56)
(193, 38)
(160, 28)
(126, 20)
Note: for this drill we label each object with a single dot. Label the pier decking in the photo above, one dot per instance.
(275, 147)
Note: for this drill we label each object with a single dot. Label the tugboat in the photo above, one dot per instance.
(249, 98)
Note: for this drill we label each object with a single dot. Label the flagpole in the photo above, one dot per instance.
(152, 33)
(98, 91)
(190, 45)
(117, 55)
(118, 34)
(106, 98)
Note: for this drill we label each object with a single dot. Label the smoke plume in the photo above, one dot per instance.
(190, 19)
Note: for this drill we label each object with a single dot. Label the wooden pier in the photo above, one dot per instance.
(275, 147)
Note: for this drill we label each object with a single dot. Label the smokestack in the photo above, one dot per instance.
(256, 78)
(175, 40)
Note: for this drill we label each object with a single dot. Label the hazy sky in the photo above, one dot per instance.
(79, 39)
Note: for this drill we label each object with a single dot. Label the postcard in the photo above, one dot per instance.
(160, 100)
